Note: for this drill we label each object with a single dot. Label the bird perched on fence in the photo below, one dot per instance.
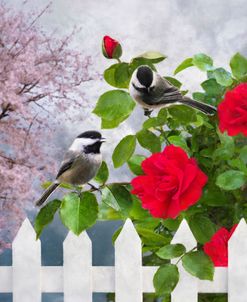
(80, 164)
(151, 91)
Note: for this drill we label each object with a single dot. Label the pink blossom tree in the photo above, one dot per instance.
(40, 77)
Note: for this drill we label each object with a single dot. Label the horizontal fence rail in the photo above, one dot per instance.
(78, 279)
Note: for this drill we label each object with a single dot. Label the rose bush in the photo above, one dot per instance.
(200, 175)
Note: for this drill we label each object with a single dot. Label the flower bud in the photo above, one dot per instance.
(111, 48)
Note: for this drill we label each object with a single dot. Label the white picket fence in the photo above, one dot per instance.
(78, 279)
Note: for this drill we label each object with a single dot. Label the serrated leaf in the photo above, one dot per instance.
(202, 227)
(185, 64)
(198, 264)
(124, 150)
(202, 61)
(223, 77)
(150, 238)
(134, 164)
(153, 56)
(178, 141)
(166, 279)
(79, 212)
(174, 82)
(171, 251)
(212, 88)
(103, 173)
(238, 65)
(183, 114)
(45, 216)
(118, 75)
(231, 180)
(149, 140)
(117, 197)
(114, 106)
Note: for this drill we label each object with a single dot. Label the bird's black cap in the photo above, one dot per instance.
(90, 134)
(145, 75)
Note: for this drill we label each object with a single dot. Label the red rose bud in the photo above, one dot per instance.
(232, 111)
(172, 183)
(217, 247)
(111, 48)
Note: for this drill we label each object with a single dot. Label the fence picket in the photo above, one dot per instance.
(186, 290)
(128, 265)
(78, 279)
(237, 268)
(26, 265)
(77, 268)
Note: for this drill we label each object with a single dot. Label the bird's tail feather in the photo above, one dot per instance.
(46, 194)
(205, 108)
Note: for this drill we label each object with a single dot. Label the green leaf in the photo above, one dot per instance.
(198, 96)
(166, 279)
(202, 227)
(118, 75)
(79, 212)
(202, 61)
(223, 77)
(171, 224)
(214, 197)
(226, 150)
(178, 141)
(243, 154)
(138, 61)
(102, 174)
(238, 65)
(198, 264)
(174, 82)
(45, 216)
(183, 114)
(171, 251)
(134, 164)
(152, 123)
(114, 105)
(231, 180)
(212, 88)
(117, 197)
(124, 150)
(185, 64)
(153, 56)
(149, 140)
(150, 238)
(111, 124)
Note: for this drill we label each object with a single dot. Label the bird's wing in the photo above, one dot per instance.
(168, 93)
(68, 161)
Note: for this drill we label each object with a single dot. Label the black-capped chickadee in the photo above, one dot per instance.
(152, 91)
(80, 164)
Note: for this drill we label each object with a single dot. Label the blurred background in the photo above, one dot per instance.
(177, 28)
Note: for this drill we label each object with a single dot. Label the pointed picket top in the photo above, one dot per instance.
(77, 268)
(240, 232)
(128, 265)
(237, 264)
(184, 236)
(128, 233)
(186, 290)
(77, 241)
(26, 265)
(26, 233)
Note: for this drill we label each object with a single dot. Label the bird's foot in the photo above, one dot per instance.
(147, 112)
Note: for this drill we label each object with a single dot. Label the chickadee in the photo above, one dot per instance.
(80, 164)
(152, 91)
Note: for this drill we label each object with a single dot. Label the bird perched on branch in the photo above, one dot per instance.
(80, 164)
(151, 91)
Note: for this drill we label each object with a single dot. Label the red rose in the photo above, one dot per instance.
(111, 48)
(172, 183)
(217, 247)
(232, 111)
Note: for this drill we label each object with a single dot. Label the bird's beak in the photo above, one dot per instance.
(102, 140)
